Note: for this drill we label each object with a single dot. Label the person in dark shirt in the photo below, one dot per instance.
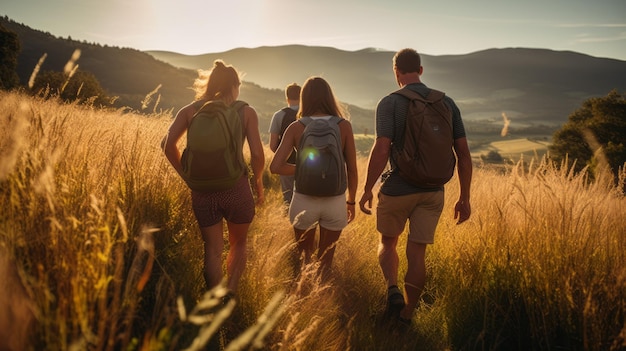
(400, 200)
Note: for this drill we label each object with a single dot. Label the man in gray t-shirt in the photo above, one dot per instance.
(278, 125)
(399, 201)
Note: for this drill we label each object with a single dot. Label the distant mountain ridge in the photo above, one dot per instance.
(131, 74)
(534, 87)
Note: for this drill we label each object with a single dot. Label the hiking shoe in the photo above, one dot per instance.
(229, 296)
(403, 325)
(395, 301)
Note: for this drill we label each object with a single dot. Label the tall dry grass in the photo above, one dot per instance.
(79, 186)
(103, 239)
(541, 265)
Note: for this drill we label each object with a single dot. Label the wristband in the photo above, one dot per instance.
(351, 203)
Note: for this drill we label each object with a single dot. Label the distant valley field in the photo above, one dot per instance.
(514, 148)
(511, 149)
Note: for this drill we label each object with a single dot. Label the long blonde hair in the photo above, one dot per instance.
(216, 84)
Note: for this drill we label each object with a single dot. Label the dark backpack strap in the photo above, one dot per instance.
(288, 117)
(288, 110)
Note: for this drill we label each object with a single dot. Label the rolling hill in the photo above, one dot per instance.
(131, 74)
(530, 85)
(537, 89)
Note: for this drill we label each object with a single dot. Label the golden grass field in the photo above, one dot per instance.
(100, 251)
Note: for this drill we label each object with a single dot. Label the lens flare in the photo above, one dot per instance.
(311, 154)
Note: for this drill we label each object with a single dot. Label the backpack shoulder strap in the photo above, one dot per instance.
(288, 110)
(305, 120)
(201, 105)
(238, 104)
(434, 98)
(409, 94)
(433, 95)
(210, 105)
(336, 119)
(198, 104)
(289, 115)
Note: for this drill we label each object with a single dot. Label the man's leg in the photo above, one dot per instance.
(213, 247)
(388, 260)
(415, 277)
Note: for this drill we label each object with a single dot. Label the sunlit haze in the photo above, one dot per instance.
(597, 28)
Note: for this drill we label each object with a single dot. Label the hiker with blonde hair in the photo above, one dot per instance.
(233, 202)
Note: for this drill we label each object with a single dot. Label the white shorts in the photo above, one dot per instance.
(330, 212)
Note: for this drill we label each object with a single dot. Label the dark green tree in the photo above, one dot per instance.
(492, 157)
(9, 51)
(82, 86)
(599, 124)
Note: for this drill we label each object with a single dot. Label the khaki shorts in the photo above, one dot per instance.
(421, 209)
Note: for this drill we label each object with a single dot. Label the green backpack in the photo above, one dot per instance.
(213, 158)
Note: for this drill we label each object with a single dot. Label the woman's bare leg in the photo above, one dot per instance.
(213, 247)
(237, 254)
(327, 245)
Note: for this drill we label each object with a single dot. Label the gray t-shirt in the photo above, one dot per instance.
(277, 120)
(391, 115)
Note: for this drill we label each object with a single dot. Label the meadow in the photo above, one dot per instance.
(99, 250)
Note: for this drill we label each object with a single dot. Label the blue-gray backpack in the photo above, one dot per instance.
(320, 165)
(213, 158)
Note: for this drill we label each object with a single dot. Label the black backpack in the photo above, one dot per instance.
(425, 157)
(288, 118)
(320, 166)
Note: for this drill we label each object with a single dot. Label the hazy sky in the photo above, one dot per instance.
(438, 27)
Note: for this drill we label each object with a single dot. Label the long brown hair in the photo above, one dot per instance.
(218, 83)
(317, 97)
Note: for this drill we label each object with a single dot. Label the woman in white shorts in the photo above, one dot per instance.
(306, 212)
